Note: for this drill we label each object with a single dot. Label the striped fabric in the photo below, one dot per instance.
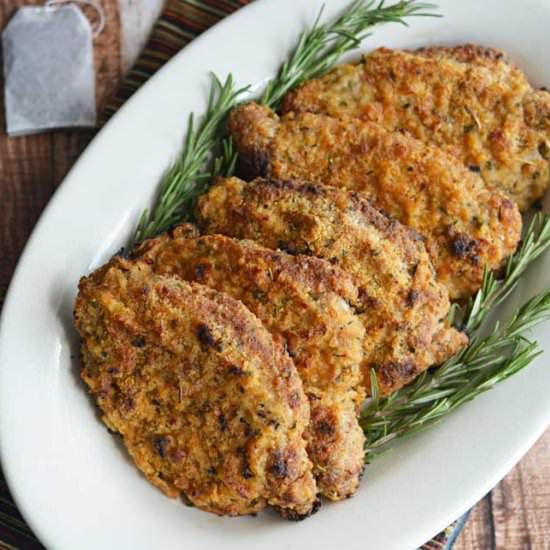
(14, 532)
(181, 21)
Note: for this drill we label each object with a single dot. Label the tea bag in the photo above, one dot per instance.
(48, 69)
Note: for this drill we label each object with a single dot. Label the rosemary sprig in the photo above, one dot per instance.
(493, 292)
(320, 47)
(475, 370)
(225, 164)
(189, 176)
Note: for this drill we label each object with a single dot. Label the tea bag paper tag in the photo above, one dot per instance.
(48, 70)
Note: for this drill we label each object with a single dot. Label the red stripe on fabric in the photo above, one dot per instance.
(186, 22)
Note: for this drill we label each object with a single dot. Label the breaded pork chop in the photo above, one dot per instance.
(207, 404)
(401, 305)
(536, 103)
(305, 304)
(466, 225)
(468, 100)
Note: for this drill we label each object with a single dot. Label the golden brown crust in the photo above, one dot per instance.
(468, 100)
(537, 115)
(183, 372)
(401, 305)
(303, 302)
(467, 226)
(536, 103)
(467, 53)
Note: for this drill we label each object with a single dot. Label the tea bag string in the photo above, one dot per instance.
(95, 4)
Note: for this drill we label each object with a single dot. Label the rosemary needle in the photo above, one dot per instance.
(189, 176)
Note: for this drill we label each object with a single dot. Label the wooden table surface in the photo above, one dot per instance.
(514, 516)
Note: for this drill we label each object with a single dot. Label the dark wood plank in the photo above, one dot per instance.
(521, 503)
(478, 533)
(516, 514)
(108, 64)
